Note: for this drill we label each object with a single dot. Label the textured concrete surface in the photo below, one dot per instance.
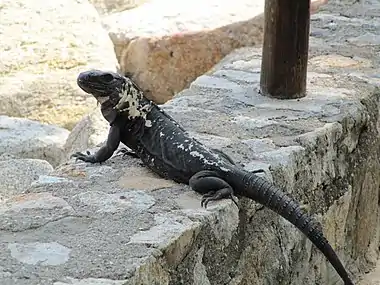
(117, 223)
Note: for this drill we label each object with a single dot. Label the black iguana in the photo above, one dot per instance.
(169, 151)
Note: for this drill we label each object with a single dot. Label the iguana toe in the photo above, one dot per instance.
(88, 157)
(225, 193)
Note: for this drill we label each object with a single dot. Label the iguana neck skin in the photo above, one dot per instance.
(168, 150)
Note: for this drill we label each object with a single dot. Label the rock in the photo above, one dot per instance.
(339, 61)
(112, 6)
(167, 49)
(165, 45)
(372, 278)
(18, 174)
(32, 210)
(42, 53)
(91, 131)
(23, 138)
(316, 4)
(118, 221)
(142, 178)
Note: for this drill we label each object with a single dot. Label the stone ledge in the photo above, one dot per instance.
(323, 149)
(117, 223)
(89, 224)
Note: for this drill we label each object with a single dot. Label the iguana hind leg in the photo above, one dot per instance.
(211, 186)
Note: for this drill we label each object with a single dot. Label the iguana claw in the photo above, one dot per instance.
(88, 157)
(218, 195)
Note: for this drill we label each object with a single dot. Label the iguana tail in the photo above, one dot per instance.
(262, 191)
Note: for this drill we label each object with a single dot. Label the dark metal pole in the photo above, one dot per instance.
(285, 48)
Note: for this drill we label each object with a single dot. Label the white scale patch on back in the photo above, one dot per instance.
(130, 102)
(181, 146)
(201, 156)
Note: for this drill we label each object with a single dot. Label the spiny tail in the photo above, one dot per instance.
(262, 191)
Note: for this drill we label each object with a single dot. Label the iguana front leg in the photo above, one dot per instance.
(106, 151)
(211, 186)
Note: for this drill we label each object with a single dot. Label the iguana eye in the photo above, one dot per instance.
(107, 77)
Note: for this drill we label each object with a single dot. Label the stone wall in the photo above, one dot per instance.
(324, 149)
(117, 223)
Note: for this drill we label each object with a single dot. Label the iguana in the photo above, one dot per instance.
(168, 150)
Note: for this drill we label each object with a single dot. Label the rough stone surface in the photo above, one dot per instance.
(372, 278)
(18, 174)
(99, 227)
(44, 45)
(23, 138)
(112, 6)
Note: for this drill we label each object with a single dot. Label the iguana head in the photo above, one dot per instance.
(104, 86)
(116, 93)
